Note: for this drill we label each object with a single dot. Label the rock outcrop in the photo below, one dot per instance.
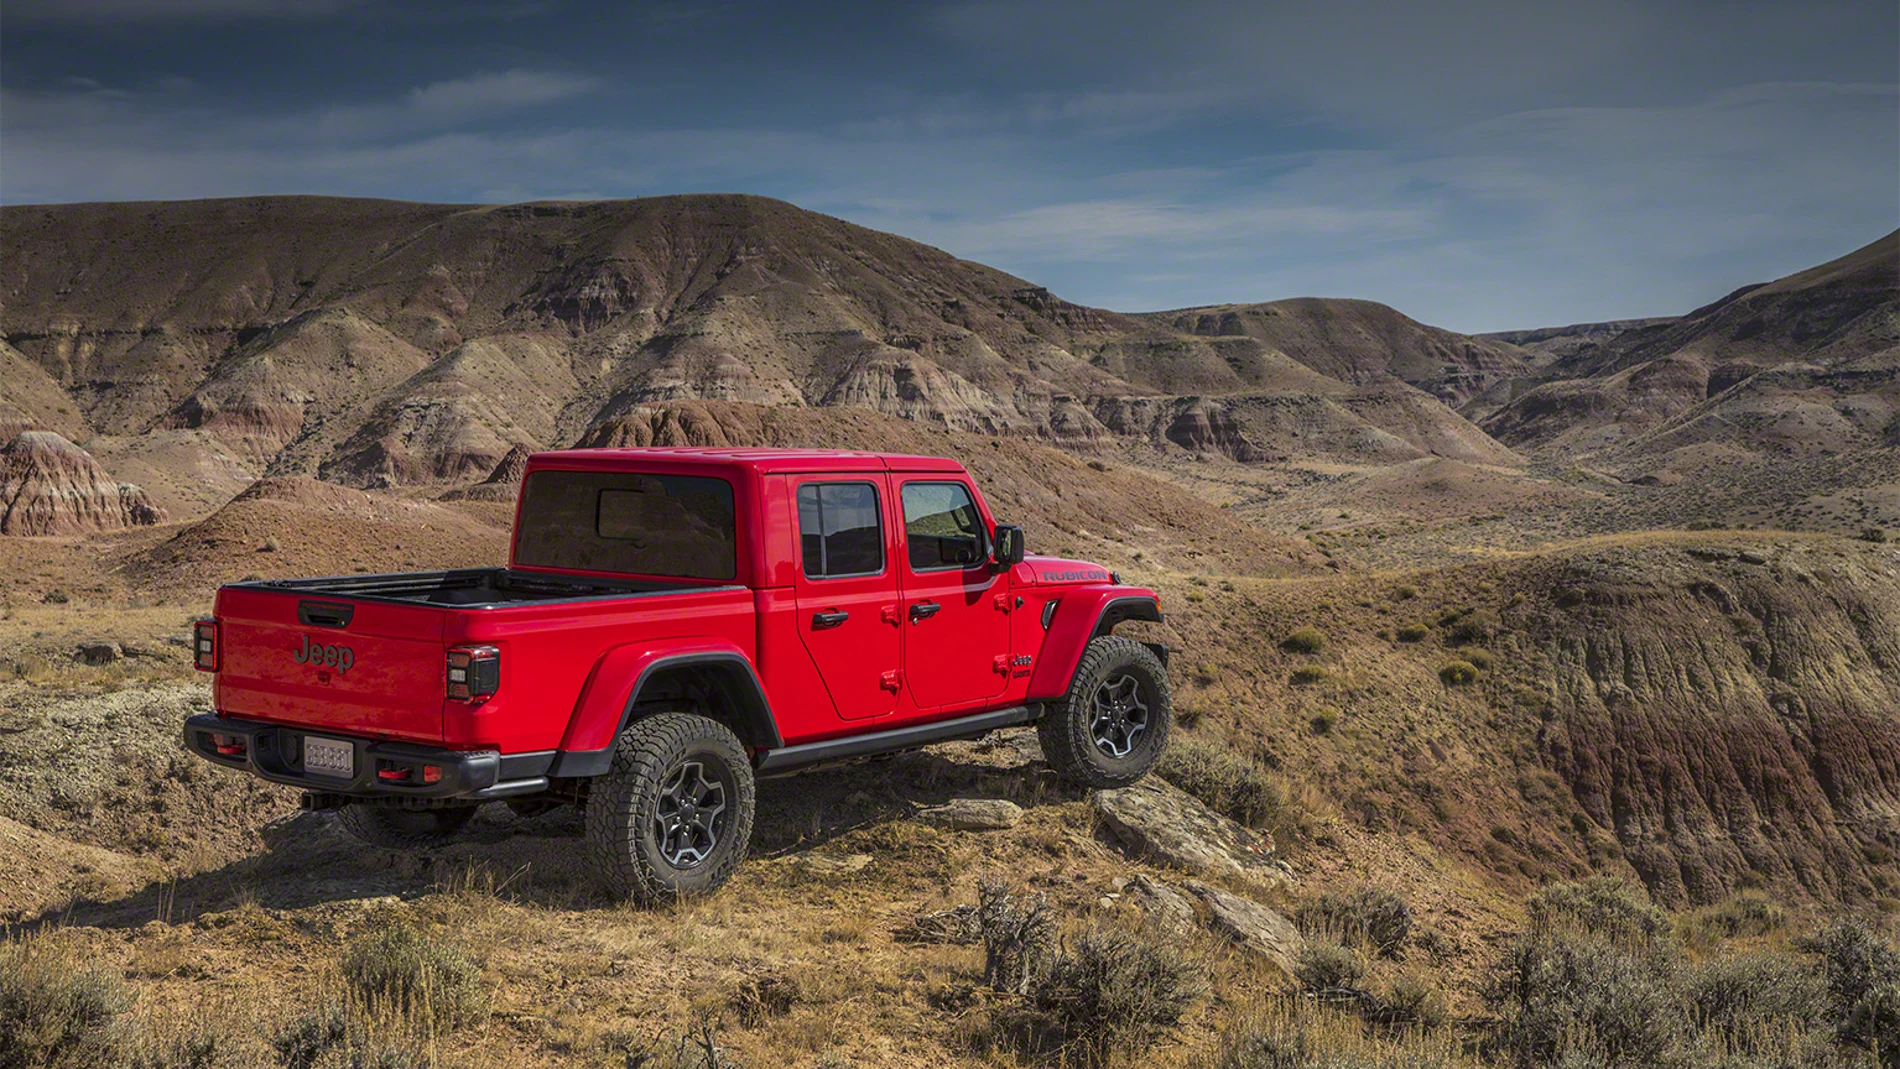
(1156, 820)
(973, 814)
(49, 486)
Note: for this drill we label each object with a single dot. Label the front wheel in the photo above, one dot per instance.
(1111, 727)
(395, 828)
(672, 818)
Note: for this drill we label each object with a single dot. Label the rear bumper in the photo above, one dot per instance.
(275, 752)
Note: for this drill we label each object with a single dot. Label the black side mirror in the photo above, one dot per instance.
(1008, 543)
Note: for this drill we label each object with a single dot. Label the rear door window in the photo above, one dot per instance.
(840, 532)
(942, 527)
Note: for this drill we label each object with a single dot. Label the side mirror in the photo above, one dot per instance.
(1008, 543)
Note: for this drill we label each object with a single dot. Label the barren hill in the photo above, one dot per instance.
(380, 343)
(1804, 363)
(1359, 342)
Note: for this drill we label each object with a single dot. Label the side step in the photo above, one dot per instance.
(793, 758)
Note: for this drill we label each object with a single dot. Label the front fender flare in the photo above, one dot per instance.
(1084, 613)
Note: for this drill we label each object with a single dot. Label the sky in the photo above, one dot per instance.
(1477, 165)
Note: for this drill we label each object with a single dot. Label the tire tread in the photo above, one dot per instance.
(1064, 729)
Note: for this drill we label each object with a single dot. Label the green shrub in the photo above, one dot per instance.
(1862, 972)
(1742, 915)
(1322, 724)
(1873, 534)
(1297, 1045)
(1118, 990)
(57, 1008)
(1226, 781)
(1307, 675)
(397, 967)
(1452, 616)
(1414, 632)
(1459, 673)
(1481, 659)
(1603, 905)
(1474, 628)
(1366, 916)
(1747, 1003)
(1305, 640)
(1576, 995)
(1329, 968)
(1406, 592)
(1409, 1002)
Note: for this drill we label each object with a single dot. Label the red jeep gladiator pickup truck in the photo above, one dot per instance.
(673, 623)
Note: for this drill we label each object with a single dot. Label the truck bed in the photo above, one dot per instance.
(472, 588)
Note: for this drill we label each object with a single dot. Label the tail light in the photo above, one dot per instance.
(474, 673)
(204, 645)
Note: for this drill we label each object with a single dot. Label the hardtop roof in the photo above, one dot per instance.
(760, 459)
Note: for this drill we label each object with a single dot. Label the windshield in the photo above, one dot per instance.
(668, 525)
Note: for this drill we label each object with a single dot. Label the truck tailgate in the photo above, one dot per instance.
(362, 667)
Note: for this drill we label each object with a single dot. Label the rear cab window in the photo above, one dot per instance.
(942, 527)
(673, 526)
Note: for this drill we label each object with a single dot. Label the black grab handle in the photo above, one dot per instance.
(822, 620)
(325, 613)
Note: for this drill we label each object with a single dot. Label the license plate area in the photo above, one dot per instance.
(329, 757)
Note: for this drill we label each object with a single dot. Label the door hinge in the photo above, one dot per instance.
(1002, 602)
(892, 680)
(1001, 663)
(888, 614)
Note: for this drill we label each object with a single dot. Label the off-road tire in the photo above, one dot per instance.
(396, 828)
(622, 807)
(1067, 727)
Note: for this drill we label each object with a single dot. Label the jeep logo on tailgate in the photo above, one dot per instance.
(337, 657)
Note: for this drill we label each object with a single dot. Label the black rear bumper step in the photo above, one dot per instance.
(275, 752)
(793, 758)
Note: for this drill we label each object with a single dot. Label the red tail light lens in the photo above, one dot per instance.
(204, 645)
(474, 673)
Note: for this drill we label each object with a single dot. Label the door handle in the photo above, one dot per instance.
(823, 620)
(924, 610)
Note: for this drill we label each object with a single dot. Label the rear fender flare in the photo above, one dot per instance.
(1085, 613)
(614, 689)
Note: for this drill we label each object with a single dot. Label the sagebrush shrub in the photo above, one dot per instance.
(1414, 632)
(1570, 993)
(1459, 673)
(57, 1010)
(1308, 674)
(1228, 782)
(397, 967)
(1019, 936)
(1747, 1002)
(1117, 990)
(1862, 972)
(1365, 916)
(1305, 640)
(1603, 905)
(1329, 968)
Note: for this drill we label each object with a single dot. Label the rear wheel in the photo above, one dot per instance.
(405, 829)
(1111, 727)
(673, 817)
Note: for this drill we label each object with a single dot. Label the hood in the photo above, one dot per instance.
(1056, 571)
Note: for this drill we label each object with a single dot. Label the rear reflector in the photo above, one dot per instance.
(474, 673)
(431, 774)
(204, 645)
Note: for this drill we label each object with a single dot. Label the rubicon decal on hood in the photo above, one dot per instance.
(1084, 575)
(1057, 570)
